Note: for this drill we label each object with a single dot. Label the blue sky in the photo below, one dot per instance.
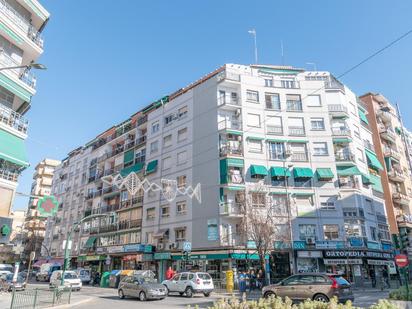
(107, 59)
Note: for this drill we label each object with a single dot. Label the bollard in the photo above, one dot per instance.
(35, 298)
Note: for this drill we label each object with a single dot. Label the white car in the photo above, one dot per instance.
(84, 275)
(71, 279)
(190, 283)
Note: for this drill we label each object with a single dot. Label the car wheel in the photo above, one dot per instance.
(167, 289)
(321, 297)
(206, 294)
(189, 292)
(142, 296)
(269, 294)
(121, 294)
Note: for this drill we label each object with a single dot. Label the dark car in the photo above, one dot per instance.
(142, 287)
(7, 283)
(314, 286)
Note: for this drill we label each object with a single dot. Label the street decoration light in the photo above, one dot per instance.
(34, 65)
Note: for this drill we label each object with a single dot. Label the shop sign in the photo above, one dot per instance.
(146, 257)
(356, 242)
(162, 256)
(387, 247)
(101, 250)
(310, 254)
(115, 249)
(379, 262)
(251, 244)
(134, 248)
(134, 257)
(205, 256)
(212, 230)
(373, 245)
(359, 254)
(329, 244)
(299, 245)
(148, 248)
(90, 258)
(243, 256)
(342, 261)
(281, 245)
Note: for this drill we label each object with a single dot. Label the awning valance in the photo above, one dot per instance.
(134, 168)
(324, 173)
(348, 171)
(302, 172)
(366, 180)
(376, 183)
(12, 149)
(151, 167)
(258, 170)
(277, 171)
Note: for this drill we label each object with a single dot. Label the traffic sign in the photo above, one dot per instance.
(187, 246)
(401, 260)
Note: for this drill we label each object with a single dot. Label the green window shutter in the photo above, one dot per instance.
(128, 156)
(12, 149)
(90, 242)
(363, 117)
(276, 171)
(366, 180)
(376, 183)
(223, 171)
(373, 161)
(134, 168)
(151, 167)
(302, 172)
(324, 173)
(258, 170)
(348, 171)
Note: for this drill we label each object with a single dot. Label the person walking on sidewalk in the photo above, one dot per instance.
(242, 283)
(385, 276)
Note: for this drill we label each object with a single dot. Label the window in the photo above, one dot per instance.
(317, 124)
(150, 213)
(274, 125)
(165, 211)
(255, 145)
(181, 208)
(320, 149)
(183, 277)
(276, 150)
(155, 127)
(356, 131)
(253, 120)
(313, 100)
(182, 112)
(268, 82)
(331, 231)
(373, 233)
(180, 234)
(168, 119)
(296, 126)
(252, 96)
(354, 228)
(369, 206)
(360, 154)
(181, 134)
(293, 102)
(272, 101)
(307, 231)
(181, 181)
(384, 232)
(167, 141)
(258, 199)
(327, 202)
(140, 156)
(167, 163)
(299, 152)
(154, 147)
(149, 237)
(181, 157)
(291, 84)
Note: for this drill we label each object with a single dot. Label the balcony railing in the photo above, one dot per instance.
(135, 201)
(400, 198)
(341, 132)
(230, 209)
(13, 119)
(390, 152)
(9, 175)
(227, 99)
(142, 120)
(296, 131)
(396, 175)
(275, 130)
(387, 133)
(337, 108)
(348, 183)
(368, 145)
(293, 105)
(345, 156)
(334, 84)
(23, 74)
(299, 156)
(230, 124)
(229, 76)
(235, 179)
(141, 140)
(10, 13)
(228, 149)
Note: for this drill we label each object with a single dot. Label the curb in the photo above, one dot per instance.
(80, 302)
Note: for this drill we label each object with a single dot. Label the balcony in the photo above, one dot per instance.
(129, 145)
(293, 106)
(296, 131)
(21, 74)
(231, 209)
(13, 119)
(9, 175)
(140, 141)
(384, 114)
(346, 157)
(132, 224)
(230, 76)
(233, 124)
(396, 175)
(338, 110)
(341, 132)
(368, 145)
(142, 120)
(387, 133)
(231, 149)
(234, 179)
(274, 130)
(400, 198)
(391, 152)
(22, 23)
(133, 202)
(94, 194)
(299, 156)
(333, 84)
(349, 183)
(228, 100)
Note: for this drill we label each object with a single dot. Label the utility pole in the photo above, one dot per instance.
(253, 32)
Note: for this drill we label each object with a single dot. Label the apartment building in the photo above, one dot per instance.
(392, 143)
(302, 136)
(21, 43)
(35, 223)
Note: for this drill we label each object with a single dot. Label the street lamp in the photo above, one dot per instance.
(69, 236)
(288, 206)
(34, 65)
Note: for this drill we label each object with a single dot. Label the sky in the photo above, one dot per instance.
(108, 59)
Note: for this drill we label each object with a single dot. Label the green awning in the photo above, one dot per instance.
(234, 132)
(276, 140)
(90, 242)
(398, 130)
(258, 170)
(373, 161)
(342, 140)
(302, 172)
(278, 193)
(303, 193)
(348, 170)
(128, 156)
(151, 167)
(324, 173)
(376, 183)
(12, 149)
(366, 180)
(235, 188)
(277, 171)
(363, 117)
(256, 138)
(300, 141)
(134, 168)
(234, 162)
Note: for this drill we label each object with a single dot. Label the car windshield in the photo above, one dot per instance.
(204, 276)
(70, 276)
(9, 277)
(144, 279)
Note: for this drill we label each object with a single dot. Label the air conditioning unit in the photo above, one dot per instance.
(310, 240)
(238, 112)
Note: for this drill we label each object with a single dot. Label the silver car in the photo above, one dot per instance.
(142, 287)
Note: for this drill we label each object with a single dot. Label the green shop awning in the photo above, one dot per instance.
(342, 140)
(299, 141)
(235, 188)
(90, 242)
(258, 170)
(134, 168)
(277, 171)
(128, 156)
(324, 173)
(235, 162)
(234, 132)
(255, 138)
(151, 167)
(376, 183)
(348, 171)
(250, 256)
(276, 140)
(373, 161)
(303, 193)
(278, 193)
(363, 117)
(366, 180)
(302, 172)
(12, 149)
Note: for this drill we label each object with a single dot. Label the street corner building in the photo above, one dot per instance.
(21, 43)
(237, 128)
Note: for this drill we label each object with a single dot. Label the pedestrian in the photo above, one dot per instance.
(169, 273)
(373, 277)
(260, 279)
(242, 283)
(252, 280)
(385, 276)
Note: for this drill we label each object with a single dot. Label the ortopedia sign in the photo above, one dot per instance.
(47, 206)
(401, 260)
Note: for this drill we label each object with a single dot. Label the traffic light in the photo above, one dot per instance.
(395, 240)
(404, 238)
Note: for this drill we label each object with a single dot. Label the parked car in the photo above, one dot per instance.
(84, 275)
(70, 279)
(7, 284)
(314, 286)
(6, 267)
(143, 287)
(43, 276)
(190, 283)
(46, 271)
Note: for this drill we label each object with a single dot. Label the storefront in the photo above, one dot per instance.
(94, 263)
